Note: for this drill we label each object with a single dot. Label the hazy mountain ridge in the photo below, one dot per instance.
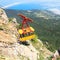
(46, 13)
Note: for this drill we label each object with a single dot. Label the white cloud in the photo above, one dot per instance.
(56, 11)
(44, 3)
(11, 5)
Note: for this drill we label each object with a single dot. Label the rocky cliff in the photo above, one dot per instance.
(10, 49)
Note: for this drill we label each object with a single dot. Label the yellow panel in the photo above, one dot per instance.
(31, 28)
(20, 31)
(27, 38)
(27, 30)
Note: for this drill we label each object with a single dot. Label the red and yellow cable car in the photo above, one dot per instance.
(26, 32)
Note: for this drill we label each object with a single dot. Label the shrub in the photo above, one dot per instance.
(1, 28)
(35, 39)
(10, 19)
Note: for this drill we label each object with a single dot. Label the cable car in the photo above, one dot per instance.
(26, 31)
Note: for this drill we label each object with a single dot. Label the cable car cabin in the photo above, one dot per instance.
(26, 32)
(27, 35)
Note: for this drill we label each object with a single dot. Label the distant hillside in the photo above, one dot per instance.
(46, 24)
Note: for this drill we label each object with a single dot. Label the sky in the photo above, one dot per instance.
(30, 4)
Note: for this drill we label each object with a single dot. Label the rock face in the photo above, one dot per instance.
(3, 16)
(10, 49)
(18, 52)
(8, 30)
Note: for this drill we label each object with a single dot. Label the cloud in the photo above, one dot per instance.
(37, 1)
(44, 3)
(10, 3)
(55, 10)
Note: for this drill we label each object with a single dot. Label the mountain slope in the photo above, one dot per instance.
(11, 49)
(47, 23)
